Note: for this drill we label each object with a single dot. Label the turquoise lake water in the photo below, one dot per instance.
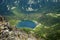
(26, 24)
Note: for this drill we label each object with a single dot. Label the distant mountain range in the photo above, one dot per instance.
(29, 6)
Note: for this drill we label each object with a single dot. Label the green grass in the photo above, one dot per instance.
(13, 22)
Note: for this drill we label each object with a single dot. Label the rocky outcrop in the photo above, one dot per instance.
(12, 33)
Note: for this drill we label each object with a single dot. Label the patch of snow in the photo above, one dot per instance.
(29, 9)
(13, 7)
(31, 2)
